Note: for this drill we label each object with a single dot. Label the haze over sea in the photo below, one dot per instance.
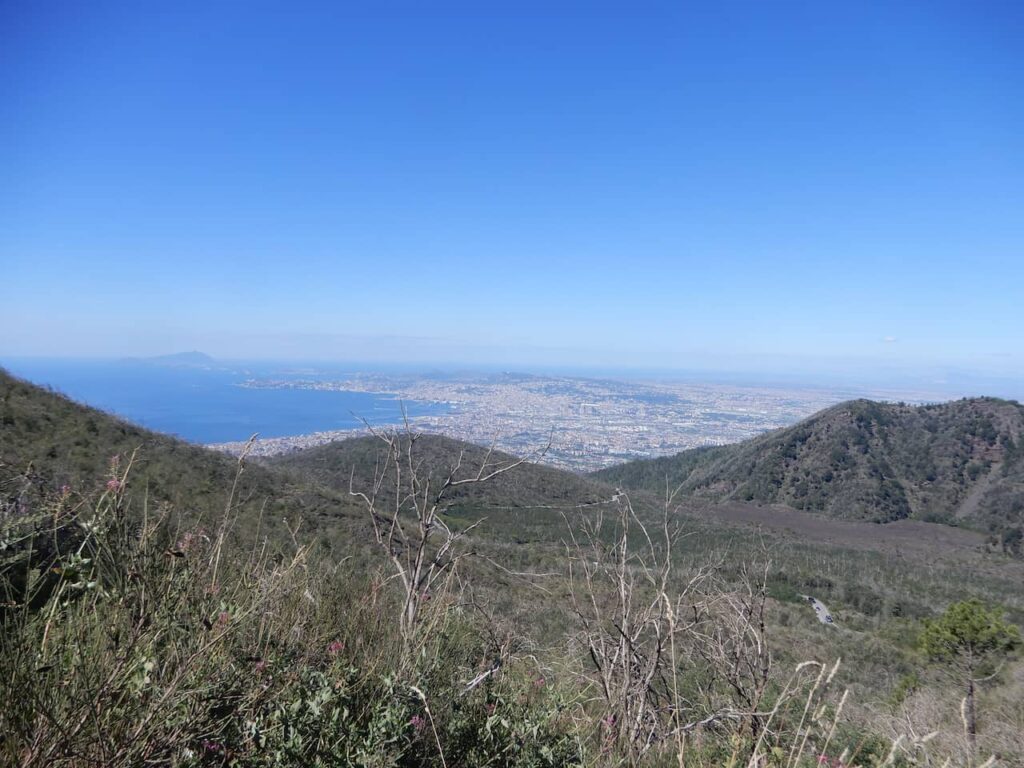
(205, 404)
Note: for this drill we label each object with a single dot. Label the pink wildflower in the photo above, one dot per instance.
(539, 682)
(418, 723)
(260, 665)
(608, 738)
(113, 484)
(223, 618)
(213, 746)
(336, 647)
(65, 489)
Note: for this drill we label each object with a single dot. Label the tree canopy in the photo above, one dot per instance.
(970, 630)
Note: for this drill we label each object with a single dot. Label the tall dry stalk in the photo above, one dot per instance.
(633, 612)
(406, 505)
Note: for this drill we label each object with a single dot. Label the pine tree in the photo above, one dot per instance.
(965, 636)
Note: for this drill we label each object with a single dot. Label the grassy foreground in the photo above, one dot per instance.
(131, 638)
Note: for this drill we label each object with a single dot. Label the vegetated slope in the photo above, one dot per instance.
(952, 462)
(528, 485)
(48, 441)
(522, 510)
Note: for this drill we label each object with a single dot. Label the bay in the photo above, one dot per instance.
(210, 405)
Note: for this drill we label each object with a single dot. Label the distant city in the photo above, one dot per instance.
(590, 423)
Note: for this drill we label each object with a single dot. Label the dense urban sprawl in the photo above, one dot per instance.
(590, 423)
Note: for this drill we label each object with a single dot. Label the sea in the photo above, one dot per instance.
(209, 404)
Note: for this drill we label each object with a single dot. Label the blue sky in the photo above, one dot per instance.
(744, 186)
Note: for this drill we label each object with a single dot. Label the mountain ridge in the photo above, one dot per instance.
(960, 462)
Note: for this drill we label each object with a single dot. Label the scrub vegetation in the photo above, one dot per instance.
(405, 600)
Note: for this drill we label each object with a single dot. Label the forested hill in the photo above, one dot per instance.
(959, 462)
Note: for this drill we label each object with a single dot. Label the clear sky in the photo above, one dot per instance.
(778, 185)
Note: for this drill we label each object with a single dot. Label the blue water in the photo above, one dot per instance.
(208, 405)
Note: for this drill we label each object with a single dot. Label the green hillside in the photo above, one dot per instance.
(292, 654)
(529, 485)
(960, 462)
(48, 442)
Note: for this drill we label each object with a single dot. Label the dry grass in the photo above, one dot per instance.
(128, 641)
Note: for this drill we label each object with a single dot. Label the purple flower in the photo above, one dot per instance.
(113, 484)
(213, 746)
(335, 648)
(418, 723)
